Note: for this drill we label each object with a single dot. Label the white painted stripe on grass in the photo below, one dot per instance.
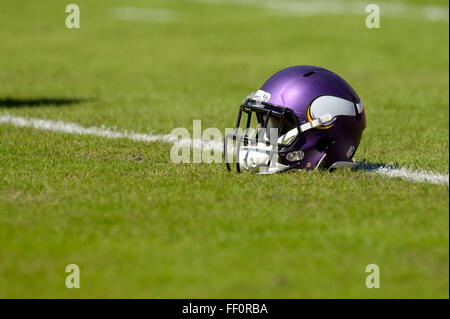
(73, 128)
(312, 8)
(414, 176)
(143, 14)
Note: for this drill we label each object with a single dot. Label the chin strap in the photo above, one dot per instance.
(304, 127)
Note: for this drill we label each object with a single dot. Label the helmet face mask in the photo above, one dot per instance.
(276, 133)
(303, 118)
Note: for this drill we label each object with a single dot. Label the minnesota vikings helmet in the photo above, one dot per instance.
(305, 117)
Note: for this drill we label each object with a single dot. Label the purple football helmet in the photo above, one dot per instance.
(306, 117)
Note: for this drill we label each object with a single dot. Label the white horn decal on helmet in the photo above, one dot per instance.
(335, 106)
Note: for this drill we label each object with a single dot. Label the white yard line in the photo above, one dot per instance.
(320, 7)
(73, 128)
(414, 176)
(143, 14)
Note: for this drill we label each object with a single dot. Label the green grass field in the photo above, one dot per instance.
(141, 226)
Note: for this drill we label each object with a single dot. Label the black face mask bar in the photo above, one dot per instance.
(263, 111)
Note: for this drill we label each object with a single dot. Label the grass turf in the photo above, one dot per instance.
(140, 226)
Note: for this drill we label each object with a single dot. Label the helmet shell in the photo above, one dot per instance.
(296, 88)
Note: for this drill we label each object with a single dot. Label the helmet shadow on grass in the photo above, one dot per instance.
(37, 102)
(369, 166)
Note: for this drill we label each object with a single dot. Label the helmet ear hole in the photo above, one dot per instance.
(324, 142)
